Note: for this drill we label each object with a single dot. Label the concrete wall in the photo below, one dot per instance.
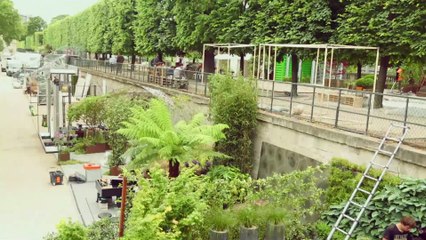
(285, 144)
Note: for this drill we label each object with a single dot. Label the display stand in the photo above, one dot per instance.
(56, 100)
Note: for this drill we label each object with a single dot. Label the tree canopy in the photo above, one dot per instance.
(10, 21)
(35, 24)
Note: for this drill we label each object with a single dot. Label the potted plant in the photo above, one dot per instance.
(64, 154)
(220, 222)
(275, 217)
(98, 143)
(365, 82)
(248, 218)
(63, 150)
(115, 162)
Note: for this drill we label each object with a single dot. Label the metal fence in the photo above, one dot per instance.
(345, 109)
(189, 81)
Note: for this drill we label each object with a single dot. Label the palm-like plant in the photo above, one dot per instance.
(153, 137)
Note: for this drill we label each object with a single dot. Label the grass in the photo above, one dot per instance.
(70, 162)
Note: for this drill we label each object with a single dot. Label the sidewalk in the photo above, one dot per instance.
(30, 207)
(85, 193)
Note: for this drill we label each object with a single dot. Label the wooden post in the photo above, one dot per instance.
(123, 207)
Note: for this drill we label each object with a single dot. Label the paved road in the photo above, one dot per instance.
(29, 206)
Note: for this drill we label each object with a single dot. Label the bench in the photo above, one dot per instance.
(345, 99)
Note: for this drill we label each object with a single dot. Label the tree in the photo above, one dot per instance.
(154, 138)
(155, 27)
(11, 25)
(198, 23)
(299, 22)
(123, 16)
(58, 18)
(398, 28)
(35, 24)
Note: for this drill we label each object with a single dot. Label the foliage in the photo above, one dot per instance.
(122, 19)
(234, 102)
(58, 18)
(365, 82)
(68, 229)
(90, 110)
(117, 110)
(296, 192)
(168, 208)
(154, 27)
(249, 216)
(227, 186)
(11, 25)
(344, 177)
(398, 29)
(153, 137)
(104, 229)
(274, 214)
(387, 206)
(35, 24)
(220, 220)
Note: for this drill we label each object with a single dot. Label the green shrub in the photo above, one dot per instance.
(234, 102)
(104, 229)
(344, 176)
(67, 230)
(366, 81)
(227, 186)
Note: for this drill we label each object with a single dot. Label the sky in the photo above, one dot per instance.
(47, 9)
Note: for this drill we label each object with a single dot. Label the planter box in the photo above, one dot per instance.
(218, 235)
(97, 148)
(115, 171)
(64, 156)
(275, 232)
(249, 233)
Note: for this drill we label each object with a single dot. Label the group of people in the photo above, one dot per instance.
(116, 62)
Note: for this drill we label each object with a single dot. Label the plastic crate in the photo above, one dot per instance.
(56, 177)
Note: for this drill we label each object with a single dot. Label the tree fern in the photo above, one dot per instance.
(153, 137)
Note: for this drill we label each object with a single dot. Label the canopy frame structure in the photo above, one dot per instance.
(227, 47)
(325, 47)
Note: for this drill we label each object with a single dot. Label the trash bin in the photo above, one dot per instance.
(93, 172)
(56, 177)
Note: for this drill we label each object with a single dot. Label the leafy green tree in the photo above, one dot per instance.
(35, 24)
(398, 28)
(198, 23)
(11, 24)
(154, 138)
(154, 27)
(122, 19)
(99, 38)
(298, 22)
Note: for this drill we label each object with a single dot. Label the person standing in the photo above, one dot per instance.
(399, 77)
(120, 61)
(401, 230)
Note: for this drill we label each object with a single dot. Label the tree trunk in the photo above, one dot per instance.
(133, 59)
(242, 64)
(295, 70)
(381, 80)
(173, 168)
(358, 70)
(209, 61)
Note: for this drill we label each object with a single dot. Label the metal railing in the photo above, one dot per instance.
(345, 109)
(184, 80)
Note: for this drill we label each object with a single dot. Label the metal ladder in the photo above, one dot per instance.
(362, 206)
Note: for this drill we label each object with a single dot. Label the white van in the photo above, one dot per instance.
(13, 66)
